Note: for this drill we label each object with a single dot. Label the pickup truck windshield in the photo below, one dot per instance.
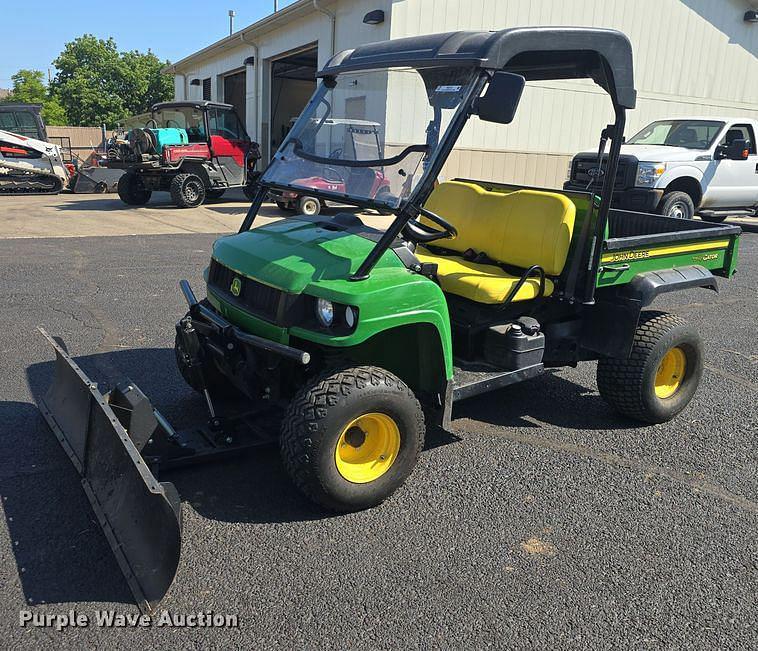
(370, 136)
(690, 134)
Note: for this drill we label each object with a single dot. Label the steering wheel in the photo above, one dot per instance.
(147, 124)
(336, 153)
(168, 124)
(420, 232)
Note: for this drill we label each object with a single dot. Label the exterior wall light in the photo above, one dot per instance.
(375, 17)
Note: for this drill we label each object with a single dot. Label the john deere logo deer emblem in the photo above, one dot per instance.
(236, 287)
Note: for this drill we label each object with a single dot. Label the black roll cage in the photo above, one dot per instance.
(536, 53)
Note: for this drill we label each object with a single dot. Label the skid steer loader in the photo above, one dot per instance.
(30, 166)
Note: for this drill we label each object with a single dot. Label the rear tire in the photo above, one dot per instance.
(131, 191)
(677, 204)
(250, 189)
(187, 190)
(309, 206)
(350, 438)
(662, 373)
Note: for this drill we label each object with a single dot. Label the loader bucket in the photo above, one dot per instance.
(141, 517)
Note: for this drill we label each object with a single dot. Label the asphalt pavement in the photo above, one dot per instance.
(543, 520)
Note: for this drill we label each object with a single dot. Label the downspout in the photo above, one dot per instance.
(255, 87)
(333, 20)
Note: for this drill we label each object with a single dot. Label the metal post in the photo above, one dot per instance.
(231, 21)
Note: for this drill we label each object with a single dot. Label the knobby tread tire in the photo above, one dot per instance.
(622, 382)
(177, 191)
(300, 438)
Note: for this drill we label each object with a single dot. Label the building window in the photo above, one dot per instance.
(207, 88)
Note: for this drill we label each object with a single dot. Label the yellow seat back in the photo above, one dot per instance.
(520, 228)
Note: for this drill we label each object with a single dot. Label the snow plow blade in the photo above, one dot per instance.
(140, 516)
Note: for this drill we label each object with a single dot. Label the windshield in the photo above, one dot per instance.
(691, 134)
(181, 117)
(371, 136)
(23, 123)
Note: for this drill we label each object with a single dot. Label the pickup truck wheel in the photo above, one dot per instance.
(187, 190)
(351, 437)
(677, 204)
(131, 191)
(662, 373)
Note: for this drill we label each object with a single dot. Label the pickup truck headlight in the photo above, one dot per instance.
(648, 174)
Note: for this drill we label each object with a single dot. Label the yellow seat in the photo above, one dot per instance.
(518, 229)
(483, 283)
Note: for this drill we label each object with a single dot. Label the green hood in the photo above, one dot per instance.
(293, 255)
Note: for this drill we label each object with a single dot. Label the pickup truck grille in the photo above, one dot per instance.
(255, 297)
(581, 173)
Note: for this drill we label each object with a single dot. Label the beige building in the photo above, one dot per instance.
(692, 57)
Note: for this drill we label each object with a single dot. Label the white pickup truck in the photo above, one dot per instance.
(681, 167)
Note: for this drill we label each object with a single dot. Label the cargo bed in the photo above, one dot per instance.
(639, 242)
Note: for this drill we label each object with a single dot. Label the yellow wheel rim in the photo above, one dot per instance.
(367, 448)
(670, 373)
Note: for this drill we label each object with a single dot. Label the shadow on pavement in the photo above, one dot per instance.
(549, 399)
(61, 554)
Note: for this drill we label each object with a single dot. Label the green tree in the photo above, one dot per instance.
(29, 87)
(96, 83)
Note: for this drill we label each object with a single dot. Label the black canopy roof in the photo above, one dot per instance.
(537, 53)
(199, 104)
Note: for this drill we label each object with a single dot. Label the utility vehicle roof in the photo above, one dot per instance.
(537, 53)
(19, 106)
(200, 104)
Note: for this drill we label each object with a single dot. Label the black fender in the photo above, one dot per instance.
(609, 325)
(646, 286)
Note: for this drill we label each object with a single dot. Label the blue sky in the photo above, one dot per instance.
(34, 31)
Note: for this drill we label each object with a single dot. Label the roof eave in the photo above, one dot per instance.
(237, 38)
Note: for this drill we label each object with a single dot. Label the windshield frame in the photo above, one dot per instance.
(676, 122)
(475, 83)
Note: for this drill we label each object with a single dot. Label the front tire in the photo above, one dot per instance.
(677, 204)
(187, 190)
(131, 191)
(350, 438)
(662, 373)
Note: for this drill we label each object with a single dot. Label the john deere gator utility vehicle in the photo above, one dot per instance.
(193, 150)
(346, 343)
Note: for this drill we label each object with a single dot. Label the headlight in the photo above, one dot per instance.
(350, 317)
(324, 312)
(649, 173)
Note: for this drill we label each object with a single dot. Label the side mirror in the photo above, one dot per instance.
(738, 149)
(500, 100)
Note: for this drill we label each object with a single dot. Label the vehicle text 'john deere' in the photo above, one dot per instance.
(194, 150)
(346, 343)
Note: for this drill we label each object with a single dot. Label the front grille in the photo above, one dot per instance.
(580, 173)
(255, 297)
